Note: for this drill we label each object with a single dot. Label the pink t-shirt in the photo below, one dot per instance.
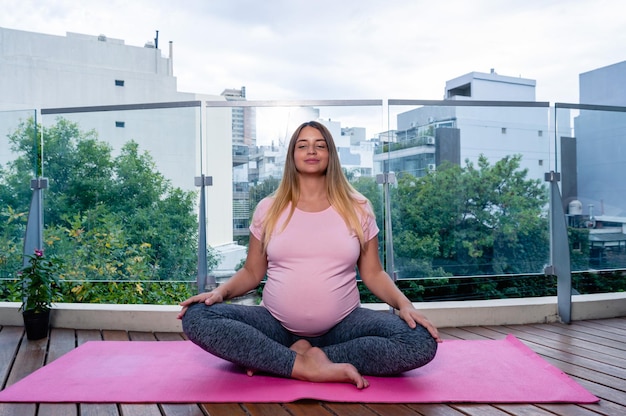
(311, 273)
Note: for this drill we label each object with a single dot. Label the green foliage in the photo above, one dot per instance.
(579, 248)
(261, 190)
(39, 282)
(127, 292)
(106, 217)
(599, 281)
(368, 187)
(470, 220)
(12, 229)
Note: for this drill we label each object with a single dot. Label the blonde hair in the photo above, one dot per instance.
(347, 201)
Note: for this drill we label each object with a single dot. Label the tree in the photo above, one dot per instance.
(262, 190)
(471, 220)
(107, 217)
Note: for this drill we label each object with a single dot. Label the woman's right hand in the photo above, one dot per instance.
(208, 298)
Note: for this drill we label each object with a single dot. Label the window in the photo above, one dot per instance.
(540, 133)
(119, 82)
(463, 91)
(120, 124)
(540, 162)
(503, 130)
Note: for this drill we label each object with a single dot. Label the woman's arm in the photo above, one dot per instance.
(381, 285)
(246, 279)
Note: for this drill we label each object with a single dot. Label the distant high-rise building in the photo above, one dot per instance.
(244, 142)
(40, 71)
(427, 136)
(601, 141)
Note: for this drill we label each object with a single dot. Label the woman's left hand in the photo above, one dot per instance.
(413, 318)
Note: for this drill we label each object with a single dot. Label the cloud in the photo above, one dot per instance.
(296, 49)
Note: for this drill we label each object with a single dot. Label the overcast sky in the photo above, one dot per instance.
(350, 49)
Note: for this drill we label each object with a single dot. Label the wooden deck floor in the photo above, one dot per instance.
(591, 352)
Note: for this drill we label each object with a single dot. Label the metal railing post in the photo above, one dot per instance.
(559, 250)
(203, 280)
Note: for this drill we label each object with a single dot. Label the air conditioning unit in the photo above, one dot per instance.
(430, 140)
(432, 166)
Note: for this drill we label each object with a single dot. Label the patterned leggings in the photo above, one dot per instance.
(376, 343)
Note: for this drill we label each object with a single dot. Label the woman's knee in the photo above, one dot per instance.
(424, 346)
(191, 317)
(197, 315)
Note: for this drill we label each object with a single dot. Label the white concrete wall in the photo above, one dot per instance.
(153, 318)
(45, 71)
(218, 164)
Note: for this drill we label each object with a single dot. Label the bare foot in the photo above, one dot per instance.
(314, 365)
(301, 346)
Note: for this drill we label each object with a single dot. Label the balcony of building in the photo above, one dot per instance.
(578, 328)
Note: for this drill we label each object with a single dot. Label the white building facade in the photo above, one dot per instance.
(39, 71)
(428, 135)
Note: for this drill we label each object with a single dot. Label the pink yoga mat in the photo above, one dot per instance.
(501, 371)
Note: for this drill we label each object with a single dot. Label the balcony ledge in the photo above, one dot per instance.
(157, 318)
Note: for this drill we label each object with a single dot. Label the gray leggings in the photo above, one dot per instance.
(376, 343)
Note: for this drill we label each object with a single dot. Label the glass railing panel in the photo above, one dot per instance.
(18, 156)
(593, 164)
(470, 198)
(468, 210)
(121, 206)
(266, 132)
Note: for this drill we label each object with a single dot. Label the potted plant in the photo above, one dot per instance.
(39, 285)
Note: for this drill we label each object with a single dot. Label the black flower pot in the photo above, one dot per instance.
(36, 324)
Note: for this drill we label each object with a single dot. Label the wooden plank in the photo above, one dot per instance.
(98, 409)
(615, 326)
(479, 410)
(86, 335)
(58, 409)
(265, 409)
(434, 409)
(113, 335)
(391, 409)
(306, 408)
(597, 332)
(10, 337)
(182, 410)
(169, 336)
(523, 410)
(605, 407)
(29, 357)
(169, 409)
(94, 409)
(131, 409)
(598, 337)
(605, 393)
(224, 409)
(565, 366)
(141, 336)
(569, 353)
(140, 410)
(349, 409)
(15, 409)
(486, 332)
(570, 339)
(568, 409)
(573, 369)
(587, 350)
(460, 333)
(61, 342)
